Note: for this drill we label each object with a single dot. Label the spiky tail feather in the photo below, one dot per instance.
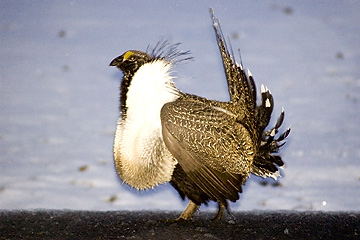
(265, 161)
(242, 91)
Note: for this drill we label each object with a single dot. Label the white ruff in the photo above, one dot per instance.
(141, 158)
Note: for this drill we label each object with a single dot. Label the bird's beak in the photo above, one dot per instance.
(117, 61)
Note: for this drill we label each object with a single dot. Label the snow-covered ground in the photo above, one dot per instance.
(59, 97)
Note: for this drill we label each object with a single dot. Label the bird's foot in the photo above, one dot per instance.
(220, 213)
(187, 214)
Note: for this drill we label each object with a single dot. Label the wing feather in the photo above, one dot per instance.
(213, 148)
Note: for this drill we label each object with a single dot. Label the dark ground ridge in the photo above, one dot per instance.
(68, 224)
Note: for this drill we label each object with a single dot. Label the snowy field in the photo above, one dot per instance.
(59, 97)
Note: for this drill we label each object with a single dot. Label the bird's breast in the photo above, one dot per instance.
(141, 158)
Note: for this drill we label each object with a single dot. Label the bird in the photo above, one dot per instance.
(206, 149)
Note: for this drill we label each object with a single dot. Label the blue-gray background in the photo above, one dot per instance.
(59, 97)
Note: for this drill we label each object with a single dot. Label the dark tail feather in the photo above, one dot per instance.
(265, 162)
(263, 112)
(241, 87)
(242, 91)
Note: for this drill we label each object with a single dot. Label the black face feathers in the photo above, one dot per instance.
(132, 60)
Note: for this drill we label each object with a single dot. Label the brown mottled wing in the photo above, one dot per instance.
(212, 148)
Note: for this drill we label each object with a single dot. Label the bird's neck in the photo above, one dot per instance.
(124, 87)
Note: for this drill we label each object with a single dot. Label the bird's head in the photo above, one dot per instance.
(131, 61)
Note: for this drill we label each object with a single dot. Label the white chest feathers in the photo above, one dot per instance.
(141, 157)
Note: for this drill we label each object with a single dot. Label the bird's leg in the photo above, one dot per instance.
(220, 212)
(188, 212)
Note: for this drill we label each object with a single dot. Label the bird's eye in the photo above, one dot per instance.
(132, 58)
